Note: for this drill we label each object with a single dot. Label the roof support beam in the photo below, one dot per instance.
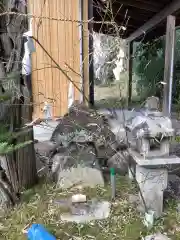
(138, 5)
(155, 4)
(169, 65)
(91, 66)
(159, 17)
(128, 11)
(130, 67)
(85, 37)
(132, 17)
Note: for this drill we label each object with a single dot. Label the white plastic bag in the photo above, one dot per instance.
(29, 48)
(70, 95)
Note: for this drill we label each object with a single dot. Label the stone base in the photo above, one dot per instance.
(154, 162)
(152, 183)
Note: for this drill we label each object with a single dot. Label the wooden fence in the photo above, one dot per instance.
(61, 40)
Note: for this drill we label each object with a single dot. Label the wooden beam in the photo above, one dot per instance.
(138, 5)
(85, 53)
(159, 17)
(128, 23)
(169, 65)
(125, 10)
(130, 66)
(91, 65)
(155, 4)
(137, 18)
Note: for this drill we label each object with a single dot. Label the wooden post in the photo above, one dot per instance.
(91, 65)
(169, 65)
(129, 68)
(85, 53)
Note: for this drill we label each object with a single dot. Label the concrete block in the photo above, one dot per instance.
(152, 183)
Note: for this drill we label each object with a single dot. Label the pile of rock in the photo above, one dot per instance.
(80, 145)
(83, 124)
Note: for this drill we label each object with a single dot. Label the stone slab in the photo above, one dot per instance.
(154, 162)
(152, 183)
(84, 176)
(98, 211)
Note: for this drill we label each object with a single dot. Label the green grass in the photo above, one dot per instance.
(124, 222)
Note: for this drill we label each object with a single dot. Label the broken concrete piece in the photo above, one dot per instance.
(78, 198)
(95, 211)
(152, 183)
(84, 176)
(157, 236)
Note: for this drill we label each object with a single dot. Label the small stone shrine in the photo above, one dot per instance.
(149, 150)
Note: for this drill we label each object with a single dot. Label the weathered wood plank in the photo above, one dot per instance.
(169, 64)
(130, 66)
